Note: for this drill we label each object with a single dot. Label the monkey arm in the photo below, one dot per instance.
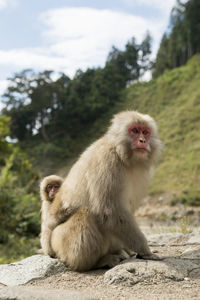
(45, 241)
(60, 213)
(48, 223)
(128, 231)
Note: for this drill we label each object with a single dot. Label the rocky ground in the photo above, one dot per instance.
(176, 276)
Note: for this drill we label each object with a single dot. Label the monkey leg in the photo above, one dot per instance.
(111, 260)
(78, 242)
(130, 252)
(128, 231)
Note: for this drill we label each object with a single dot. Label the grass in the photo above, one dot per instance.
(18, 248)
(182, 225)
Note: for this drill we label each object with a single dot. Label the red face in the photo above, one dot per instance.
(140, 135)
(52, 189)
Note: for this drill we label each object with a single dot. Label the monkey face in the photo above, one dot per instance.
(140, 135)
(52, 189)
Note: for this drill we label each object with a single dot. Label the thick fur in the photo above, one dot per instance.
(104, 186)
(48, 220)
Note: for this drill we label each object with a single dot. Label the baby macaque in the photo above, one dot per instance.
(49, 187)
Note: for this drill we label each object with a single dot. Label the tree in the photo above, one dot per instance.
(144, 54)
(182, 40)
(4, 132)
(192, 21)
(30, 102)
(162, 62)
(132, 63)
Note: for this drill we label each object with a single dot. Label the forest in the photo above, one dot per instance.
(46, 123)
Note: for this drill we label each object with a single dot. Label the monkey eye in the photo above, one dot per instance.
(135, 130)
(145, 132)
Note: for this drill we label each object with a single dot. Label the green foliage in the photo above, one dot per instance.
(17, 248)
(191, 197)
(4, 132)
(181, 41)
(31, 100)
(185, 226)
(19, 205)
(4, 127)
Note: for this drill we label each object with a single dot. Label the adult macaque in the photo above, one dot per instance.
(49, 186)
(104, 187)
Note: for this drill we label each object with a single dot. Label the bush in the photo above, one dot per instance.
(191, 197)
(19, 203)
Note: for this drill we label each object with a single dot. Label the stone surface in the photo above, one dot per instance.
(194, 239)
(135, 270)
(173, 239)
(191, 253)
(181, 263)
(33, 293)
(34, 267)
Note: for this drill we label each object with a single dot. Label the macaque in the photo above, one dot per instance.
(49, 186)
(103, 188)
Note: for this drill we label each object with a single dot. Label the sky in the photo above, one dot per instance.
(67, 35)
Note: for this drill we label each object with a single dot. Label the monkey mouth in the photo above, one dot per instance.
(141, 150)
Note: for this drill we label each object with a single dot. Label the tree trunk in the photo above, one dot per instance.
(43, 130)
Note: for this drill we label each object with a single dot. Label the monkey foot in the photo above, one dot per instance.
(151, 256)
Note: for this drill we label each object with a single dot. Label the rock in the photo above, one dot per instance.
(173, 239)
(191, 253)
(33, 293)
(135, 270)
(169, 239)
(194, 239)
(128, 273)
(33, 267)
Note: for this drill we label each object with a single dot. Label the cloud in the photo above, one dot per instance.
(86, 35)
(101, 26)
(7, 3)
(3, 86)
(2, 4)
(38, 58)
(81, 37)
(74, 23)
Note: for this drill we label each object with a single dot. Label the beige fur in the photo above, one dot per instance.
(48, 221)
(104, 186)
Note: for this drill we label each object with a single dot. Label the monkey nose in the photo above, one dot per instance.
(142, 140)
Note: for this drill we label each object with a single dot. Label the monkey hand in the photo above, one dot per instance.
(50, 253)
(39, 251)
